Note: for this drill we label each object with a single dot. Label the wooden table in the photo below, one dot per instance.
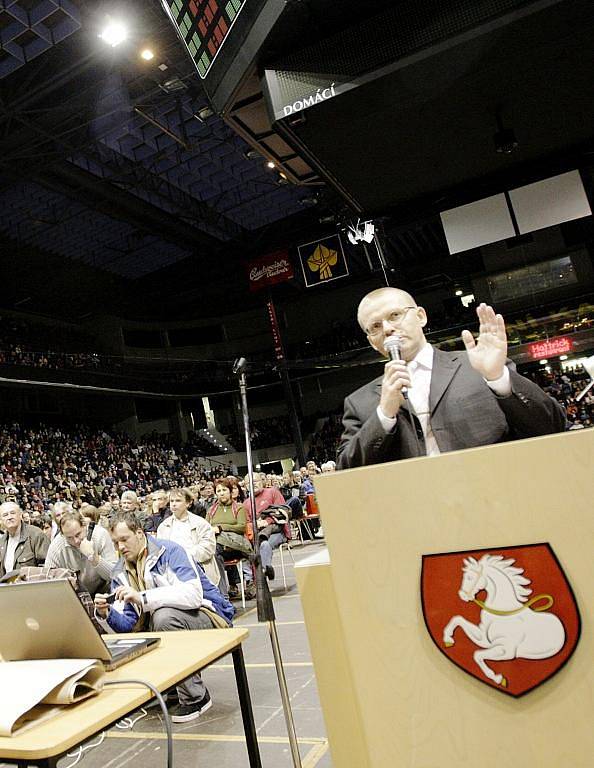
(179, 655)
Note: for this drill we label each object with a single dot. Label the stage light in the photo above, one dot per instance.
(544, 362)
(361, 232)
(270, 165)
(562, 357)
(147, 54)
(114, 33)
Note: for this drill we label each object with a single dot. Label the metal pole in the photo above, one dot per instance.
(263, 597)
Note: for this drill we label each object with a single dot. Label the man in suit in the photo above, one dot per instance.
(431, 401)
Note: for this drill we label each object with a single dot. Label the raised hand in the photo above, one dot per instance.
(488, 353)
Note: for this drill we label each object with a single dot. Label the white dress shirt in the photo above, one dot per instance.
(420, 369)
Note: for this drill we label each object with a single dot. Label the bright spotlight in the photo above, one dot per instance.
(147, 54)
(114, 33)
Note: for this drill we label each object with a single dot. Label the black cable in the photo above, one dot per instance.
(163, 706)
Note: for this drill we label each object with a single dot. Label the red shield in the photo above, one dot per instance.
(505, 615)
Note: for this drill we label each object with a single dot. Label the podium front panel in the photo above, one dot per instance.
(417, 708)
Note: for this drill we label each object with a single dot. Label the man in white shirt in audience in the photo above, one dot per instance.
(193, 533)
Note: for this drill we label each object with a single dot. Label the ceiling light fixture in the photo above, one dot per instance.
(270, 165)
(114, 33)
(147, 54)
(362, 231)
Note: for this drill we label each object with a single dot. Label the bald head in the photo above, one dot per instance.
(391, 312)
(380, 294)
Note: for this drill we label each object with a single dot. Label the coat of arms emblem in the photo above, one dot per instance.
(506, 615)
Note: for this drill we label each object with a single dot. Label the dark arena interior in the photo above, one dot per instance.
(186, 183)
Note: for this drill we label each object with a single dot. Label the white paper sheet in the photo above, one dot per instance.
(25, 684)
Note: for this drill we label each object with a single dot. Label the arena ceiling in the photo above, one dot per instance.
(119, 193)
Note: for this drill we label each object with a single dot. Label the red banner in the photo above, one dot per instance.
(560, 345)
(276, 335)
(270, 269)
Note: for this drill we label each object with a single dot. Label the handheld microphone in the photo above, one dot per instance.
(392, 345)
(90, 530)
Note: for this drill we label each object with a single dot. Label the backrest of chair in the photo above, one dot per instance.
(311, 505)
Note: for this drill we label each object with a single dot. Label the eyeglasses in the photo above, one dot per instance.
(395, 319)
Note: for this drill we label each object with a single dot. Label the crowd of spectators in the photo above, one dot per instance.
(43, 464)
(565, 385)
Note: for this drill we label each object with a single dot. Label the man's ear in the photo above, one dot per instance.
(422, 315)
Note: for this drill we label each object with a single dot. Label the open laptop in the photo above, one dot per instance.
(46, 620)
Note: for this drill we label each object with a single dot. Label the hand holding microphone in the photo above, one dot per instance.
(396, 379)
(86, 546)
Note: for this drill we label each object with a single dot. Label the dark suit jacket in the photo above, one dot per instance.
(465, 413)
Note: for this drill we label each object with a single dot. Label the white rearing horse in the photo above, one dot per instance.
(509, 627)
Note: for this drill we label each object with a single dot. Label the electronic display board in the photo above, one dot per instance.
(204, 26)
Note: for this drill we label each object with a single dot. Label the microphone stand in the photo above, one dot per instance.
(263, 597)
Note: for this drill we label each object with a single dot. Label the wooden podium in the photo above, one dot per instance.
(391, 697)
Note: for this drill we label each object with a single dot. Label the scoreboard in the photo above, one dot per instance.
(204, 26)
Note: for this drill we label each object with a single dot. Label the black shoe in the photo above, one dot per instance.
(269, 571)
(184, 713)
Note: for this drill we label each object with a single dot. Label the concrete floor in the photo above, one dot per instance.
(217, 738)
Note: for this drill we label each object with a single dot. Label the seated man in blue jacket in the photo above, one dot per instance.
(158, 587)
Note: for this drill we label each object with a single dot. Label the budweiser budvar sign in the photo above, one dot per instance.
(270, 269)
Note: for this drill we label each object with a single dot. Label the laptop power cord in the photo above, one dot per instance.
(163, 706)
(80, 750)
